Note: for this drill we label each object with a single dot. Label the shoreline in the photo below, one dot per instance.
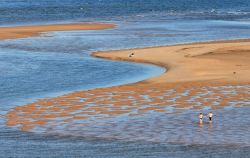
(205, 51)
(193, 70)
(122, 55)
(36, 30)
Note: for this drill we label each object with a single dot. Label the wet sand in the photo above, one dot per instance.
(201, 75)
(36, 30)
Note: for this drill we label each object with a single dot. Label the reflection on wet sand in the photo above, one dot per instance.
(108, 112)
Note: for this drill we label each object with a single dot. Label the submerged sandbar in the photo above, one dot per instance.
(36, 30)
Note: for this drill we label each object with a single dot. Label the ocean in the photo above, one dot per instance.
(31, 11)
(56, 63)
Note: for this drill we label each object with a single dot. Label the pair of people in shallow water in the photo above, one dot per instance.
(210, 115)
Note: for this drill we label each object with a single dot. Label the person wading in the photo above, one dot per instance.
(210, 115)
(201, 118)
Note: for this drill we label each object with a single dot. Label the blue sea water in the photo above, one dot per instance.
(30, 11)
(60, 62)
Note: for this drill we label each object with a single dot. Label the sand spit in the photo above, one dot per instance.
(36, 30)
(222, 62)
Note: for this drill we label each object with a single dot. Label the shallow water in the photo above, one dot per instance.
(180, 127)
(59, 62)
(54, 146)
(154, 114)
(161, 135)
(29, 75)
(133, 33)
(39, 74)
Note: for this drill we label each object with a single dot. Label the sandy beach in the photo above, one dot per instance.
(192, 71)
(219, 62)
(35, 30)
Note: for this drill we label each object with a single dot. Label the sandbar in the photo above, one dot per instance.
(36, 30)
(220, 62)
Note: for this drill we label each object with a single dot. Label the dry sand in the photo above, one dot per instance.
(193, 70)
(222, 62)
(35, 30)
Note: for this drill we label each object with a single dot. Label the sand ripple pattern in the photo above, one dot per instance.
(155, 113)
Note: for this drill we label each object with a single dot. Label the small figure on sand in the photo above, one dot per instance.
(210, 115)
(132, 54)
(201, 118)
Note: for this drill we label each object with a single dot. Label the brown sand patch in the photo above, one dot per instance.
(27, 31)
(159, 110)
(117, 112)
(80, 117)
(26, 127)
(182, 99)
(151, 108)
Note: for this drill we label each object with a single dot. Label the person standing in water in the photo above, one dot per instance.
(210, 115)
(201, 117)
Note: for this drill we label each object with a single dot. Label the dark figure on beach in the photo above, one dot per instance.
(210, 115)
(234, 73)
(132, 54)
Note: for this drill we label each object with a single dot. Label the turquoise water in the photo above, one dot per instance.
(60, 62)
